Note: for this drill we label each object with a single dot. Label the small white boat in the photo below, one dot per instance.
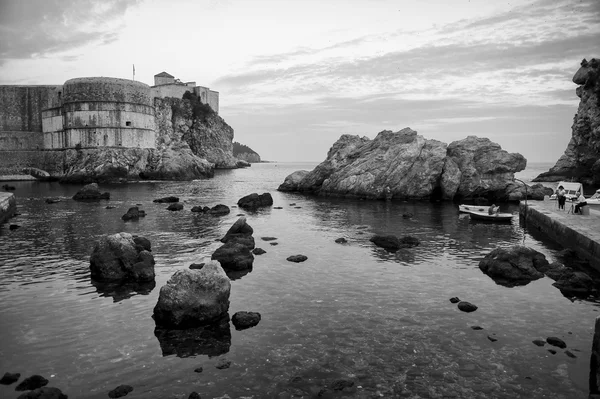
(495, 217)
(572, 190)
(472, 208)
(594, 200)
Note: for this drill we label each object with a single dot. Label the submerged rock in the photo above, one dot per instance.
(9, 378)
(33, 382)
(258, 251)
(297, 258)
(466, 306)
(244, 320)
(393, 243)
(234, 256)
(211, 340)
(90, 192)
(223, 364)
(120, 391)
(177, 206)
(555, 341)
(133, 213)
(193, 298)
(169, 199)
(43, 393)
(517, 265)
(119, 257)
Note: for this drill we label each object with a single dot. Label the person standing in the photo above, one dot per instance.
(561, 197)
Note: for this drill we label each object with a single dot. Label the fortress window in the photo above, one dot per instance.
(128, 123)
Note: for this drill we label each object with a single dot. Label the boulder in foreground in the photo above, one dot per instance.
(193, 298)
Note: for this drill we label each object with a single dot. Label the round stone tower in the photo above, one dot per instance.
(101, 112)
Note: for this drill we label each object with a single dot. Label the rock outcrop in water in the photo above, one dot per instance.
(514, 266)
(122, 257)
(193, 298)
(412, 167)
(581, 160)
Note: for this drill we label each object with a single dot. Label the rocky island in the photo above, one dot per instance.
(581, 160)
(404, 165)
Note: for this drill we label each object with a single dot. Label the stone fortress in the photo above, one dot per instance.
(89, 112)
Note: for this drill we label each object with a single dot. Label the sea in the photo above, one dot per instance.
(352, 321)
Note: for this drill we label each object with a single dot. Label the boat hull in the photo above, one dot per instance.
(497, 217)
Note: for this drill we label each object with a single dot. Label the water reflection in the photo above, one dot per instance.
(214, 340)
(120, 291)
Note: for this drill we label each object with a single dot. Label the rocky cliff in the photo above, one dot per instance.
(172, 159)
(245, 153)
(581, 160)
(412, 167)
(191, 141)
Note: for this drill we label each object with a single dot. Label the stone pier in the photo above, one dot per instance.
(578, 232)
(595, 363)
(8, 206)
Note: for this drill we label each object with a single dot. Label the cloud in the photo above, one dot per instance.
(34, 28)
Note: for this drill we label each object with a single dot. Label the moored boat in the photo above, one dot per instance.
(594, 200)
(496, 217)
(572, 190)
(470, 208)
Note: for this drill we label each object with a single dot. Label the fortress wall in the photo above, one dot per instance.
(213, 100)
(12, 140)
(171, 90)
(13, 162)
(21, 106)
(202, 93)
(101, 137)
(106, 90)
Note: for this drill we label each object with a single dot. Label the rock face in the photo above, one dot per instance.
(581, 159)
(514, 266)
(189, 145)
(412, 167)
(193, 298)
(206, 133)
(119, 257)
(90, 192)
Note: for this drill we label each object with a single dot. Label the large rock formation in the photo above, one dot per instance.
(245, 153)
(581, 160)
(412, 167)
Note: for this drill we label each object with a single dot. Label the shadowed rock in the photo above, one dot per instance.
(119, 257)
(467, 306)
(133, 213)
(234, 256)
(120, 391)
(33, 382)
(43, 393)
(166, 199)
(254, 201)
(9, 378)
(297, 258)
(91, 192)
(514, 266)
(244, 320)
(176, 206)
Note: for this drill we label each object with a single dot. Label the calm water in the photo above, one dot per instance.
(350, 311)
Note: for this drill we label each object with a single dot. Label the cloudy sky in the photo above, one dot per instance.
(295, 75)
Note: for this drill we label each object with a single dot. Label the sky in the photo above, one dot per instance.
(293, 76)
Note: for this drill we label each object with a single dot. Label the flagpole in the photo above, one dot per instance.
(133, 71)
